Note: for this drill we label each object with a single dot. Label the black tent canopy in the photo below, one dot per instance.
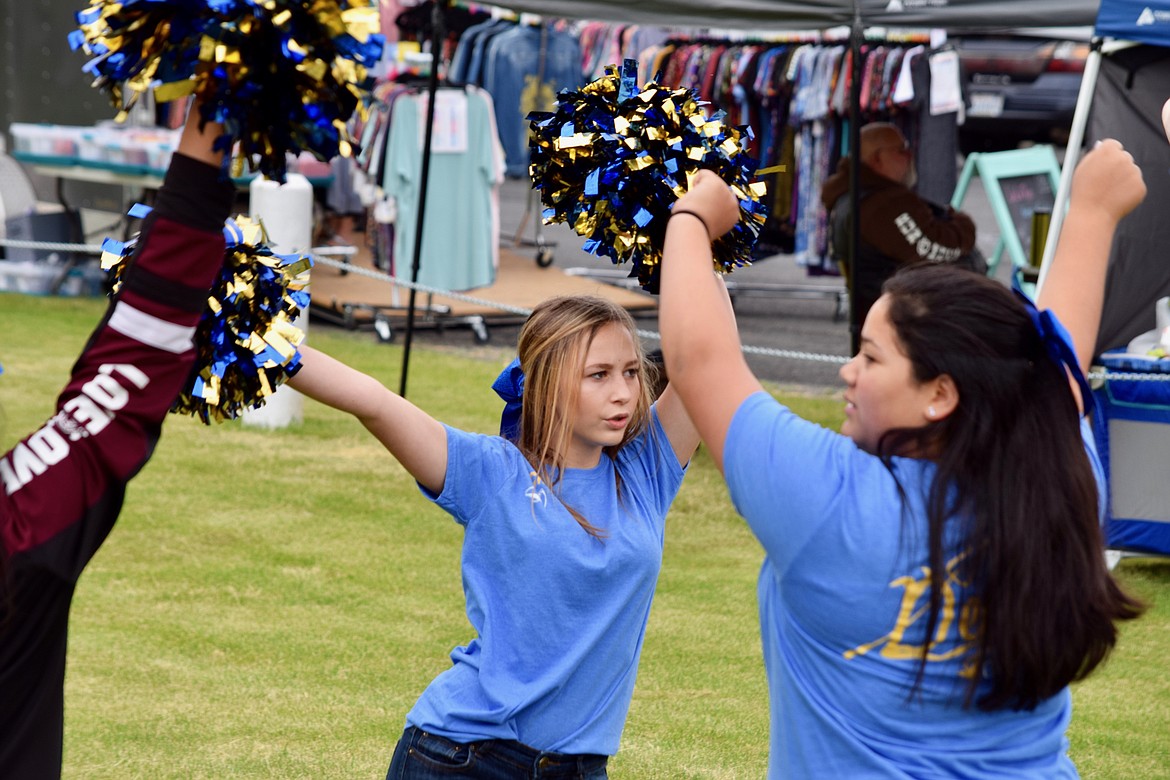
(817, 14)
(1126, 82)
(763, 15)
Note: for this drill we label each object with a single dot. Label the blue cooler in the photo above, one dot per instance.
(1132, 430)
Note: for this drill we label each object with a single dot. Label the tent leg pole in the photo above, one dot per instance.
(1072, 154)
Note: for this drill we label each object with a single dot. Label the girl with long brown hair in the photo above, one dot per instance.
(564, 516)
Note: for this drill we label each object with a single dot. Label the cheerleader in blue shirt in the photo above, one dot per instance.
(934, 575)
(564, 517)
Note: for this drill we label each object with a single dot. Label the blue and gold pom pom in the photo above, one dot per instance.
(283, 76)
(613, 158)
(246, 342)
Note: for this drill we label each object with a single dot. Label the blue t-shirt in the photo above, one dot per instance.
(843, 603)
(519, 84)
(559, 615)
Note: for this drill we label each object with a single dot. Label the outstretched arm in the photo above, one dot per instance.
(672, 412)
(1106, 186)
(700, 342)
(417, 440)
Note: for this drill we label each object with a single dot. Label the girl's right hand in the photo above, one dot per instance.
(714, 202)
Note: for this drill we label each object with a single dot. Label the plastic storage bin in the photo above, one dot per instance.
(1132, 430)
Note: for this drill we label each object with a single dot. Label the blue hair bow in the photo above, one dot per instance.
(509, 385)
(1059, 346)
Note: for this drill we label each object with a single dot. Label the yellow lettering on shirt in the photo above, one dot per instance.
(961, 620)
(537, 95)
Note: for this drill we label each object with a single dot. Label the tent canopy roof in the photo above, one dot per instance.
(1135, 20)
(778, 15)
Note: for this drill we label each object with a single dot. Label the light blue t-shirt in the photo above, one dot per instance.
(843, 605)
(460, 220)
(559, 615)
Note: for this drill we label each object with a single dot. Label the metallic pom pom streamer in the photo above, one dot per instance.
(283, 76)
(613, 158)
(246, 340)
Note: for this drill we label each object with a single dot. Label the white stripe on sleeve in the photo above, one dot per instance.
(150, 330)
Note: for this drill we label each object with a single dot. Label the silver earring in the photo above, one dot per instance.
(930, 412)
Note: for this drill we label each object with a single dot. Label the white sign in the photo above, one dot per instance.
(946, 94)
(450, 126)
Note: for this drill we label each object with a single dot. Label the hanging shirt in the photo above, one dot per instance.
(460, 222)
(467, 64)
(519, 83)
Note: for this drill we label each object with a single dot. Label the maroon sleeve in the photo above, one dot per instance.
(61, 487)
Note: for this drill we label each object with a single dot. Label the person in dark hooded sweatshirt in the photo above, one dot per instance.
(898, 228)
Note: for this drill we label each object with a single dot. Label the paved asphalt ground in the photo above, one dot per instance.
(766, 322)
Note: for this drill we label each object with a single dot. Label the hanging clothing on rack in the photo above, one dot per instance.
(341, 197)
(371, 160)
(795, 95)
(414, 22)
(467, 62)
(526, 67)
(388, 11)
(936, 145)
(460, 240)
(793, 91)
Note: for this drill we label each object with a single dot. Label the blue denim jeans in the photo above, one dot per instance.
(424, 756)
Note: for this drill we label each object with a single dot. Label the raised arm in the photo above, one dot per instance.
(1106, 186)
(417, 440)
(198, 142)
(676, 420)
(700, 341)
(109, 415)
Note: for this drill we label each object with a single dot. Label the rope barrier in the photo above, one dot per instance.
(648, 334)
(384, 277)
(1126, 376)
(319, 256)
(49, 246)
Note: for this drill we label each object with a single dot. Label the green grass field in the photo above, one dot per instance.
(270, 604)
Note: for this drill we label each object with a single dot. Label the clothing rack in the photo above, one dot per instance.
(360, 309)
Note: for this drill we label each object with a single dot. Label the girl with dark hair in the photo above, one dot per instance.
(935, 574)
(564, 516)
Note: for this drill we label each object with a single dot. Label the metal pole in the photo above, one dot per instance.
(1072, 155)
(857, 35)
(432, 89)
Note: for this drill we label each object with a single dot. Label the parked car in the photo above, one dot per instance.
(1019, 87)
